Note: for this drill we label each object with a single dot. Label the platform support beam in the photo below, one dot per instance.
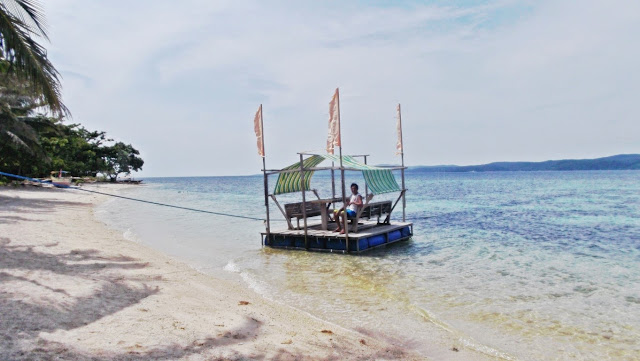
(304, 201)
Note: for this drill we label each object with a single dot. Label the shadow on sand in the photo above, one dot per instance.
(42, 204)
(21, 321)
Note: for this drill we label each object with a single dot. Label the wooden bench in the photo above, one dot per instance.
(376, 209)
(294, 210)
(371, 210)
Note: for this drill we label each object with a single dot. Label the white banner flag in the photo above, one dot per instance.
(333, 138)
(399, 149)
(257, 127)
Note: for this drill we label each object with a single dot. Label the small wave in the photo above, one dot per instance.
(463, 339)
(263, 290)
(469, 343)
(130, 235)
(231, 267)
(255, 285)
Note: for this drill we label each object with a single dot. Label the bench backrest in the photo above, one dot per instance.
(294, 210)
(376, 209)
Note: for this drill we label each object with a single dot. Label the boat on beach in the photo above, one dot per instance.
(130, 180)
(371, 226)
(61, 178)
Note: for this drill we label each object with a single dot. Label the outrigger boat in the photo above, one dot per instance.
(61, 178)
(372, 226)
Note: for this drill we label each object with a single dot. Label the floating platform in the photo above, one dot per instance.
(370, 235)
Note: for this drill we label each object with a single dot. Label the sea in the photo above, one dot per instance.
(506, 265)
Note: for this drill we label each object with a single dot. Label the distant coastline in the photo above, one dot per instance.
(616, 162)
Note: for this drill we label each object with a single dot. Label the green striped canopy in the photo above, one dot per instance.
(290, 182)
(379, 180)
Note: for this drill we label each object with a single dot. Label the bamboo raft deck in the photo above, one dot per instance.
(370, 235)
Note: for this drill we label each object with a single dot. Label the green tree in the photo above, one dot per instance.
(121, 158)
(21, 148)
(69, 147)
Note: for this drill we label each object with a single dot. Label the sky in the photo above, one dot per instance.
(479, 81)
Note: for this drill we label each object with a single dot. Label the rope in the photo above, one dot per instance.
(169, 205)
(133, 199)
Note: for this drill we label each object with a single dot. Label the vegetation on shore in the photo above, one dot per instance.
(33, 137)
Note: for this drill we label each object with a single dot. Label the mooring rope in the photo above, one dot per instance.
(133, 199)
(170, 205)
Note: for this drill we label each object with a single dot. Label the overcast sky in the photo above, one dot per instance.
(479, 81)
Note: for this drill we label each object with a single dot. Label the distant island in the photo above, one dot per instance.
(616, 162)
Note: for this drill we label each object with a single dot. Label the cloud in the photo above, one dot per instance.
(479, 81)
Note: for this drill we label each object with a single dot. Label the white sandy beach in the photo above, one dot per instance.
(72, 289)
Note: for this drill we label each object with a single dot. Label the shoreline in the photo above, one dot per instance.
(75, 289)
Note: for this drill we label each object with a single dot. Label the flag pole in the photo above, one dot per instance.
(264, 172)
(404, 200)
(344, 196)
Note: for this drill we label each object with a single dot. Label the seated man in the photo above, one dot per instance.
(355, 202)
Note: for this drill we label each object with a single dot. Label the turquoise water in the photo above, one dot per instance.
(522, 266)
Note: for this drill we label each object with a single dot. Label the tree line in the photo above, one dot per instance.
(34, 139)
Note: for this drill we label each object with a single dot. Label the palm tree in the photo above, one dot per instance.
(16, 108)
(20, 22)
(28, 81)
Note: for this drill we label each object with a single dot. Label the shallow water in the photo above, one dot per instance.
(522, 265)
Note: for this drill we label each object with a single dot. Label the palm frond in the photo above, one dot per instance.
(17, 141)
(28, 58)
(30, 12)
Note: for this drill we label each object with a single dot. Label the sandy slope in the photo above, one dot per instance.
(70, 288)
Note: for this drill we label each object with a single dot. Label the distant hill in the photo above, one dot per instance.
(616, 162)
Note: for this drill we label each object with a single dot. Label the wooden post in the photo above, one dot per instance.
(266, 197)
(333, 186)
(366, 187)
(404, 200)
(344, 196)
(284, 214)
(345, 225)
(266, 180)
(304, 201)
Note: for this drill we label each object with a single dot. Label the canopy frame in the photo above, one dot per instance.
(377, 179)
